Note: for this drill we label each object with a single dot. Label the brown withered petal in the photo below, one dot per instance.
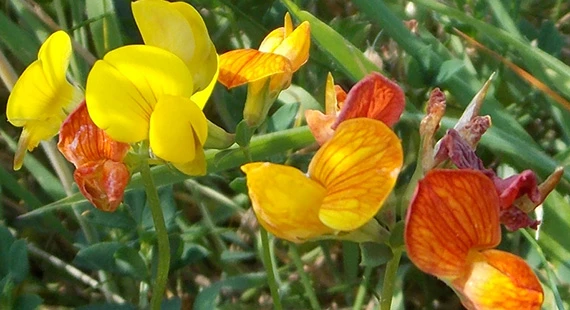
(100, 172)
(453, 147)
(376, 97)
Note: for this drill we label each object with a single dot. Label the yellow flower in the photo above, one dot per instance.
(268, 70)
(348, 181)
(141, 92)
(178, 28)
(42, 96)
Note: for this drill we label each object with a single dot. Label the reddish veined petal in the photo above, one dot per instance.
(451, 213)
(375, 97)
(80, 141)
(247, 65)
(358, 167)
(499, 281)
(103, 183)
(285, 201)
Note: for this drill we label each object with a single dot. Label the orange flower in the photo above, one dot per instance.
(100, 172)
(348, 181)
(268, 70)
(374, 96)
(452, 226)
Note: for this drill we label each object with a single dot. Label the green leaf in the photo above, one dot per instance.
(99, 256)
(352, 60)
(374, 254)
(6, 241)
(448, 69)
(118, 219)
(18, 41)
(283, 118)
(206, 299)
(27, 302)
(18, 261)
(130, 262)
(243, 134)
(107, 306)
(233, 256)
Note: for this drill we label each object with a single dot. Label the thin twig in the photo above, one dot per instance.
(72, 271)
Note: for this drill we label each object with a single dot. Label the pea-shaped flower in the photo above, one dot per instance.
(42, 96)
(267, 70)
(141, 92)
(348, 180)
(452, 226)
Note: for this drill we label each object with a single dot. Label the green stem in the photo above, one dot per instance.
(161, 234)
(359, 301)
(294, 251)
(390, 280)
(270, 269)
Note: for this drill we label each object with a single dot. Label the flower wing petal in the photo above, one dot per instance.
(247, 65)
(285, 201)
(451, 213)
(296, 46)
(375, 97)
(123, 88)
(177, 128)
(358, 167)
(502, 281)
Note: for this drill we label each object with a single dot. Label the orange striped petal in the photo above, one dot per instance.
(101, 174)
(358, 167)
(285, 201)
(247, 65)
(81, 141)
(451, 213)
(375, 97)
(500, 281)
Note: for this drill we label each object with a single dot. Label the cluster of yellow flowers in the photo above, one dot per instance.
(154, 94)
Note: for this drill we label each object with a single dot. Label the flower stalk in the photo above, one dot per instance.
(161, 235)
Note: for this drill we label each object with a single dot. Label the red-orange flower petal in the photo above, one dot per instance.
(375, 97)
(242, 66)
(358, 167)
(101, 175)
(500, 281)
(451, 213)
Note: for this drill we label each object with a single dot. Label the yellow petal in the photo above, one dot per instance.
(177, 27)
(201, 97)
(246, 65)
(272, 40)
(177, 128)
(499, 281)
(296, 46)
(122, 89)
(358, 167)
(285, 201)
(196, 166)
(42, 95)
